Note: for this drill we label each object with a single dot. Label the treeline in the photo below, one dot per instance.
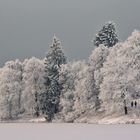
(63, 91)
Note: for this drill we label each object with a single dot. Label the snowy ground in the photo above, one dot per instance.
(39, 129)
(44, 131)
(111, 119)
(88, 117)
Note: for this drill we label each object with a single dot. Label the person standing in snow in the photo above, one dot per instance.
(135, 104)
(132, 104)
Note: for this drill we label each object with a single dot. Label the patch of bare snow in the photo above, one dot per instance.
(38, 120)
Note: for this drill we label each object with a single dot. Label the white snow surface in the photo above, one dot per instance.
(68, 132)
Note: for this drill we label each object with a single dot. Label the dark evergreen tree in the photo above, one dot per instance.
(51, 97)
(107, 35)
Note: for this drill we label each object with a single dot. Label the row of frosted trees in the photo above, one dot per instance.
(64, 91)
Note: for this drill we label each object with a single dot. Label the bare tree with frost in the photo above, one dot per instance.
(33, 85)
(10, 90)
(69, 77)
(96, 62)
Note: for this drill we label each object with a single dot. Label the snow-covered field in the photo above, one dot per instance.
(68, 132)
(101, 120)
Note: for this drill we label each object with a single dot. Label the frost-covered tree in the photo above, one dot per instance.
(121, 76)
(51, 97)
(69, 79)
(33, 85)
(79, 97)
(96, 62)
(107, 35)
(81, 86)
(84, 95)
(10, 90)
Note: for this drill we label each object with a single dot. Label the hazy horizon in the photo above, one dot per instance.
(27, 27)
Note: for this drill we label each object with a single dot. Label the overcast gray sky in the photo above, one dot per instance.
(27, 26)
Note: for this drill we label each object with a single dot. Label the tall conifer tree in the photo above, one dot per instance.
(107, 35)
(51, 97)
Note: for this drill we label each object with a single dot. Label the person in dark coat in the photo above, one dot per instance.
(132, 104)
(135, 104)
